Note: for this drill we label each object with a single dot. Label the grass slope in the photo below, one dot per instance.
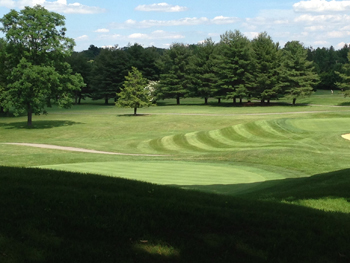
(52, 216)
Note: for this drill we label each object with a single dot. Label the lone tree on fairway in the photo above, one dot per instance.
(35, 61)
(135, 93)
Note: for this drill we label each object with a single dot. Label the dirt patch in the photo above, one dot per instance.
(73, 149)
(346, 136)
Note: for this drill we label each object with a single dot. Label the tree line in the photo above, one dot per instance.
(38, 67)
(234, 68)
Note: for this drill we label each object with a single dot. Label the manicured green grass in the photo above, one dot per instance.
(53, 216)
(282, 173)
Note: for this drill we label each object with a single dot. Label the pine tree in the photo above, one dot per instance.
(265, 64)
(108, 73)
(297, 74)
(200, 71)
(134, 94)
(232, 66)
(174, 81)
(344, 84)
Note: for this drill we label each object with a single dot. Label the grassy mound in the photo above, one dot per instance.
(267, 134)
(52, 216)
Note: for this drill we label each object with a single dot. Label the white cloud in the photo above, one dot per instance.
(251, 35)
(8, 3)
(341, 45)
(337, 34)
(161, 7)
(188, 21)
(82, 38)
(315, 28)
(321, 6)
(102, 30)
(60, 6)
(158, 34)
(329, 19)
(221, 20)
(321, 43)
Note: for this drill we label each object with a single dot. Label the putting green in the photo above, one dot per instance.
(174, 172)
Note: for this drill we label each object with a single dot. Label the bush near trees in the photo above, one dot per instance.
(34, 62)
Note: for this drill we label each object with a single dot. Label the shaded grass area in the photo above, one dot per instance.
(51, 216)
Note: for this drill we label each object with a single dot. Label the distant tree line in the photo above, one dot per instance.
(235, 68)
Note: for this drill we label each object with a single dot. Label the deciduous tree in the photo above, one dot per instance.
(35, 54)
(135, 93)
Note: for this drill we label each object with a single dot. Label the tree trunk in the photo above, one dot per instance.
(294, 100)
(79, 100)
(234, 100)
(262, 101)
(240, 100)
(76, 99)
(178, 100)
(205, 101)
(1, 109)
(29, 114)
(268, 101)
(106, 100)
(219, 100)
(135, 111)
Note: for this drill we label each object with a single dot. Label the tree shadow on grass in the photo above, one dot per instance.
(344, 104)
(132, 115)
(38, 124)
(335, 184)
(52, 215)
(226, 104)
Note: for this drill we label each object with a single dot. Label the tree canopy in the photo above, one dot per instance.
(35, 52)
(297, 75)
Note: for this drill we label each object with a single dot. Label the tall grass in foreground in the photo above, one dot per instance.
(52, 216)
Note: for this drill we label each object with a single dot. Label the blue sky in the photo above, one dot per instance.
(316, 23)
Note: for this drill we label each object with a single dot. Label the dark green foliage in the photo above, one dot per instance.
(201, 71)
(327, 62)
(35, 61)
(135, 93)
(264, 72)
(144, 59)
(232, 66)
(297, 75)
(82, 66)
(344, 74)
(174, 82)
(92, 52)
(52, 216)
(108, 73)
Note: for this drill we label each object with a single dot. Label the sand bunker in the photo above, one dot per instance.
(346, 136)
(73, 149)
